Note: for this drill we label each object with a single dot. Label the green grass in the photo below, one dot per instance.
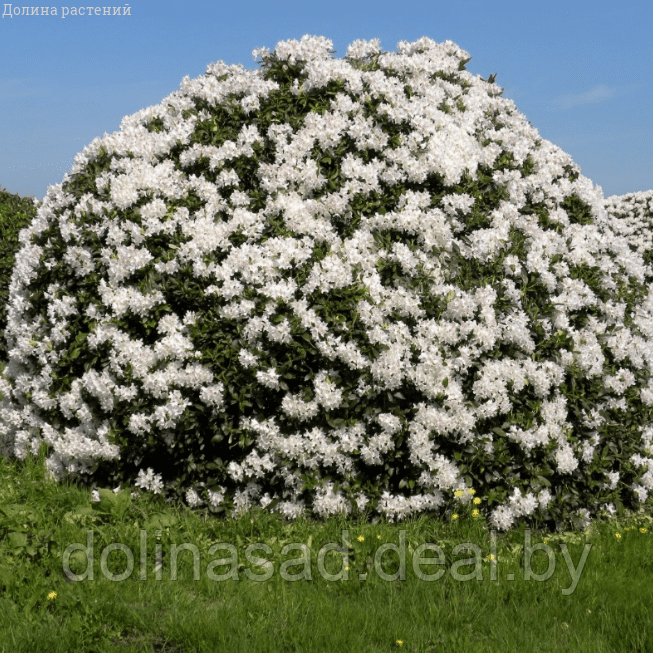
(608, 608)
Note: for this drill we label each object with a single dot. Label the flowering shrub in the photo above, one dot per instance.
(634, 213)
(334, 286)
(15, 213)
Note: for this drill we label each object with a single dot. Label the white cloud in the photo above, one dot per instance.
(597, 94)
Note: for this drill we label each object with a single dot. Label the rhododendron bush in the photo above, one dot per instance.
(332, 286)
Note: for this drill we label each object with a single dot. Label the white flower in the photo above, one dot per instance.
(502, 518)
(192, 498)
(361, 501)
(544, 498)
(216, 498)
(149, 481)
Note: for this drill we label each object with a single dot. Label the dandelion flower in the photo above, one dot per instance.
(52, 595)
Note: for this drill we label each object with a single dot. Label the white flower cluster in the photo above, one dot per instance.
(458, 126)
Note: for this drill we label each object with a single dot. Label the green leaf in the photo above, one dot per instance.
(111, 503)
(7, 578)
(17, 541)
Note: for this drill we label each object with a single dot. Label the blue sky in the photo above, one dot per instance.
(581, 72)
